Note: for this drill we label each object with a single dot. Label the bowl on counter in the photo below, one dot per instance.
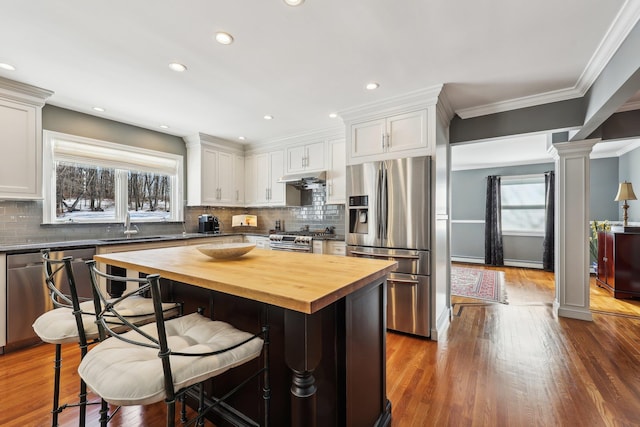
(226, 250)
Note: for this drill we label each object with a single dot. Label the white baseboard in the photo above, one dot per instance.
(507, 262)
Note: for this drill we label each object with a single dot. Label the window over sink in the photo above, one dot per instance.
(88, 180)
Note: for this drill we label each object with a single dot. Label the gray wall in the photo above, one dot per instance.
(468, 188)
(630, 171)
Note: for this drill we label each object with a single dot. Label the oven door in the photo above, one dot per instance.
(291, 248)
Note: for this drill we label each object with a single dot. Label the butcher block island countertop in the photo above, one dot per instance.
(301, 282)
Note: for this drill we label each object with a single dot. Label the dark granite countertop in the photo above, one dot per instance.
(77, 244)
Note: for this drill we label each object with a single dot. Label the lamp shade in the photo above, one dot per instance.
(625, 192)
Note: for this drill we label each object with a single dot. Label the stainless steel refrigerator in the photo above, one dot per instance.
(388, 216)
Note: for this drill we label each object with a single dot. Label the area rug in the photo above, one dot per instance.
(487, 285)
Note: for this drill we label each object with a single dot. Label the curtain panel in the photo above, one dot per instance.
(548, 254)
(493, 250)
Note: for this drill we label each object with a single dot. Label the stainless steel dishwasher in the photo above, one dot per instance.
(27, 293)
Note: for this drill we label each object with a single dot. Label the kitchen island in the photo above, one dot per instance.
(328, 325)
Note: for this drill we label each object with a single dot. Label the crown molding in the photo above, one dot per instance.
(629, 106)
(421, 98)
(23, 92)
(625, 20)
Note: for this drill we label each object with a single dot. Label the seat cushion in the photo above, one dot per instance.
(127, 374)
(58, 326)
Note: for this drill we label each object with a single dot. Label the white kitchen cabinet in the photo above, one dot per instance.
(336, 172)
(335, 247)
(21, 140)
(238, 173)
(250, 181)
(318, 246)
(262, 180)
(308, 157)
(398, 135)
(260, 241)
(211, 174)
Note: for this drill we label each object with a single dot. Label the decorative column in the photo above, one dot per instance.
(572, 228)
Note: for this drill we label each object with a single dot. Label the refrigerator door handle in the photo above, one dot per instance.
(411, 282)
(379, 229)
(373, 255)
(384, 202)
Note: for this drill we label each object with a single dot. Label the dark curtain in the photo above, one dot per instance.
(493, 253)
(548, 254)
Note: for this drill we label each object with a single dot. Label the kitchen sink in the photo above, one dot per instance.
(132, 239)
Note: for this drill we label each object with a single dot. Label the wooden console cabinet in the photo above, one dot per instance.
(619, 263)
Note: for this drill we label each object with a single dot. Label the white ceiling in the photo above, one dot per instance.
(300, 64)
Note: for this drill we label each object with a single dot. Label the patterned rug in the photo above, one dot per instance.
(487, 285)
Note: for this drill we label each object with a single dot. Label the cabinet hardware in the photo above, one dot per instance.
(382, 140)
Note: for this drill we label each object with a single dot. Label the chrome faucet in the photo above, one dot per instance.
(127, 226)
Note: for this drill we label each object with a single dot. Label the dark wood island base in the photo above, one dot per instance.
(327, 366)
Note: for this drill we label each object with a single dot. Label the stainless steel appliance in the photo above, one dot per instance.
(389, 217)
(291, 242)
(208, 224)
(27, 293)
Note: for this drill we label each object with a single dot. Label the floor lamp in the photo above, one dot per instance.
(625, 192)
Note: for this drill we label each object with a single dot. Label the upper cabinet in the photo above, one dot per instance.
(21, 140)
(397, 134)
(213, 175)
(308, 157)
(336, 172)
(390, 129)
(263, 171)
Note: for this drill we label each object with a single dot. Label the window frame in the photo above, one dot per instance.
(123, 158)
(531, 178)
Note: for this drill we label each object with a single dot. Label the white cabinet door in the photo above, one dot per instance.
(336, 172)
(407, 131)
(263, 178)
(276, 190)
(296, 158)
(21, 144)
(209, 180)
(226, 187)
(309, 157)
(394, 136)
(238, 173)
(315, 157)
(251, 181)
(368, 138)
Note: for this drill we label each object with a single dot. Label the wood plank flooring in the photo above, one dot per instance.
(497, 365)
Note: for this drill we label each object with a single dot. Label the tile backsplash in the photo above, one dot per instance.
(21, 221)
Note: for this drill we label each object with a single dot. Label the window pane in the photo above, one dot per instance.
(149, 196)
(523, 200)
(84, 192)
(523, 220)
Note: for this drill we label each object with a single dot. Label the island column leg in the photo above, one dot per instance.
(303, 349)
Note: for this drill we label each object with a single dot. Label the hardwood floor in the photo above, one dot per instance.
(497, 365)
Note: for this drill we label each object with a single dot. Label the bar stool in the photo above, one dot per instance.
(191, 349)
(73, 321)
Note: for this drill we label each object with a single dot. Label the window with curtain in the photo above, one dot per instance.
(523, 205)
(88, 180)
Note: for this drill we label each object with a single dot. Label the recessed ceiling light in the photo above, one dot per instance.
(224, 38)
(268, 117)
(241, 138)
(372, 86)
(333, 115)
(164, 127)
(7, 67)
(176, 66)
(294, 2)
(100, 109)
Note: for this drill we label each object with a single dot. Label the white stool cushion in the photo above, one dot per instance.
(128, 374)
(58, 326)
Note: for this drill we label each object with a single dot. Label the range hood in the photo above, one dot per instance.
(304, 180)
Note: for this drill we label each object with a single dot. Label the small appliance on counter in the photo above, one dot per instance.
(208, 224)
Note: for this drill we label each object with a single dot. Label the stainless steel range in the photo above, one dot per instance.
(291, 242)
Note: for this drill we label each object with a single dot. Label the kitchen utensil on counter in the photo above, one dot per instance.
(208, 224)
